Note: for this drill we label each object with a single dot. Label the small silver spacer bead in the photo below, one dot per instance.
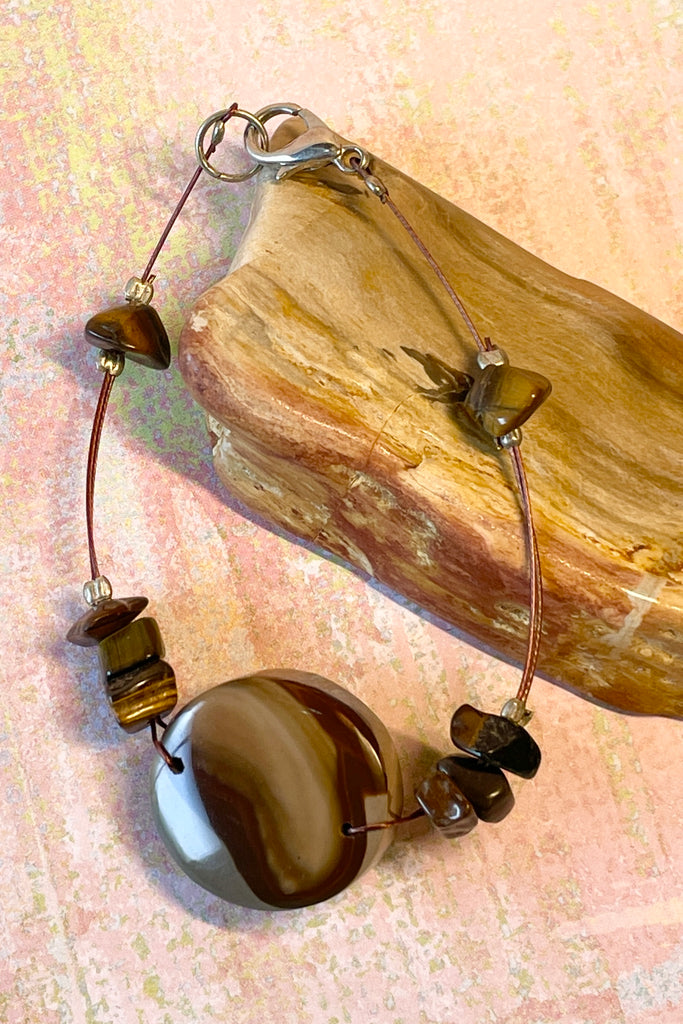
(139, 291)
(513, 439)
(97, 590)
(111, 362)
(218, 133)
(491, 357)
(375, 185)
(517, 711)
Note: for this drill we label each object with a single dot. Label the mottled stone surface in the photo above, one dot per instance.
(495, 740)
(446, 806)
(321, 426)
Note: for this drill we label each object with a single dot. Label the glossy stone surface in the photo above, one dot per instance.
(274, 765)
(136, 643)
(446, 805)
(105, 618)
(140, 686)
(496, 740)
(484, 785)
(135, 330)
(502, 398)
(142, 694)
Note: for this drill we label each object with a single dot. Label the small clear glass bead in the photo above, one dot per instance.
(97, 590)
(516, 710)
(491, 357)
(139, 291)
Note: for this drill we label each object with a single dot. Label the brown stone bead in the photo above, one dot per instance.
(275, 766)
(495, 740)
(142, 694)
(484, 785)
(502, 398)
(136, 643)
(446, 805)
(140, 686)
(105, 618)
(135, 330)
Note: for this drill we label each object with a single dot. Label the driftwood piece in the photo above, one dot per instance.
(320, 427)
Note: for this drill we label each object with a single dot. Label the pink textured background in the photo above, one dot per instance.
(558, 123)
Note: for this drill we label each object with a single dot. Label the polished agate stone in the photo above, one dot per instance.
(135, 330)
(105, 618)
(139, 684)
(503, 397)
(275, 765)
(484, 785)
(495, 740)
(446, 806)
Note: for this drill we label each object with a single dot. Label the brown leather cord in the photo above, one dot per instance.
(485, 345)
(109, 378)
(95, 436)
(405, 223)
(174, 763)
(535, 578)
(388, 201)
(531, 542)
(357, 830)
(183, 199)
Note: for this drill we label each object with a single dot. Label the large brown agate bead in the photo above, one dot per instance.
(275, 765)
(135, 330)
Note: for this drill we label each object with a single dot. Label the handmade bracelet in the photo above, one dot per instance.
(278, 789)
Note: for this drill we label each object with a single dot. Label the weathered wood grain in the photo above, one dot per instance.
(297, 357)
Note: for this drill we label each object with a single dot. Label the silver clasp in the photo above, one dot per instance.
(318, 146)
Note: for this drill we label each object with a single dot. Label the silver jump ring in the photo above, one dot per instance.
(254, 124)
(265, 114)
(351, 158)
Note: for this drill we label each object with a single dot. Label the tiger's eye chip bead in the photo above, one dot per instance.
(135, 330)
(495, 740)
(139, 684)
(105, 618)
(503, 397)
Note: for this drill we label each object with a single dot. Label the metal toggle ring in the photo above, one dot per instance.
(215, 121)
